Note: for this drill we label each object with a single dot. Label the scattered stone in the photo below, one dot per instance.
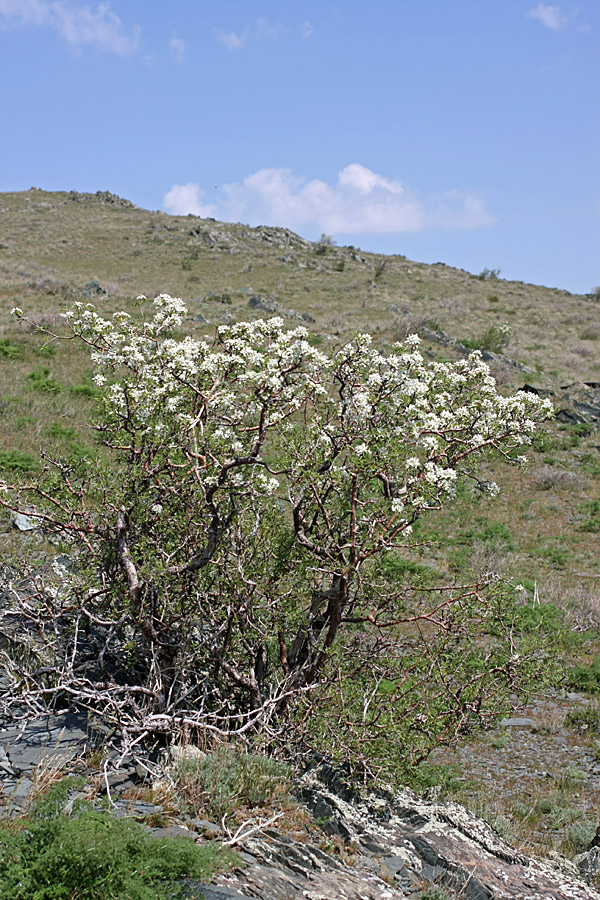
(23, 522)
(518, 722)
(48, 740)
(576, 404)
(172, 831)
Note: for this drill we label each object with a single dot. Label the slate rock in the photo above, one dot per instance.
(50, 740)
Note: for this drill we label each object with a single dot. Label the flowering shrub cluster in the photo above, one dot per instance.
(234, 544)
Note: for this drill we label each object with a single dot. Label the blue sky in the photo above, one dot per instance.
(460, 131)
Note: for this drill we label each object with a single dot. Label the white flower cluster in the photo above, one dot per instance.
(358, 417)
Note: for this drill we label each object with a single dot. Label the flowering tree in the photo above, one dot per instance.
(231, 573)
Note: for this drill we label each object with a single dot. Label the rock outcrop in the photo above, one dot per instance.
(401, 844)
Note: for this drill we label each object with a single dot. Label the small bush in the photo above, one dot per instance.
(228, 778)
(591, 522)
(43, 380)
(46, 350)
(8, 349)
(61, 432)
(585, 678)
(439, 781)
(554, 555)
(541, 616)
(86, 388)
(489, 274)
(495, 339)
(15, 461)
(586, 719)
(92, 855)
(398, 568)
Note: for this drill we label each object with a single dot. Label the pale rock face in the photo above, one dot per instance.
(401, 843)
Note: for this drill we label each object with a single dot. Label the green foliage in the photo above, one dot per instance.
(495, 339)
(493, 533)
(228, 778)
(435, 892)
(591, 510)
(572, 435)
(86, 388)
(8, 349)
(253, 489)
(439, 781)
(93, 855)
(585, 678)
(402, 569)
(69, 441)
(46, 350)
(539, 616)
(586, 718)
(554, 554)
(43, 380)
(489, 274)
(15, 461)
(61, 432)
(324, 245)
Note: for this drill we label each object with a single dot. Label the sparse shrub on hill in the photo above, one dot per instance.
(230, 578)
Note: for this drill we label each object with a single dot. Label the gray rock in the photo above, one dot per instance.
(172, 831)
(21, 790)
(6, 766)
(23, 522)
(517, 722)
(93, 290)
(257, 302)
(49, 740)
(588, 863)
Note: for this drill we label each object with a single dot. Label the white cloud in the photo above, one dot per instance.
(178, 48)
(76, 23)
(262, 29)
(360, 202)
(550, 16)
(231, 39)
(186, 198)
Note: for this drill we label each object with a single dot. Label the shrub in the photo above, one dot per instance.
(16, 461)
(495, 339)
(8, 349)
(588, 718)
(489, 274)
(228, 778)
(43, 380)
(92, 855)
(586, 678)
(255, 484)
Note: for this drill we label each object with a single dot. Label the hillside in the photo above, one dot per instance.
(53, 244)
(542, 531)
